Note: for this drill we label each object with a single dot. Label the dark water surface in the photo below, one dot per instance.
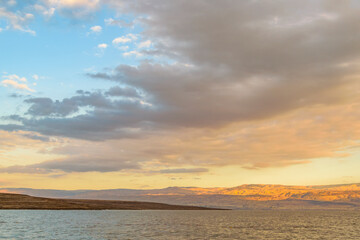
(154, 224)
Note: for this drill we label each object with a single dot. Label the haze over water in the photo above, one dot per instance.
(152, 224)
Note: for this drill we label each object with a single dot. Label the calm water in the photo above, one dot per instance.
(179, 225)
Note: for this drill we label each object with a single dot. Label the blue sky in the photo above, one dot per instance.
(56, 57)
(62, 51)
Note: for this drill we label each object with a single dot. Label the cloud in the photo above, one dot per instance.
(121, 40)
(36, 137)
(88, 165)
(132, 36)
(96, 29)
(11, 3)
(48, 107)
(73, 165)
(145, 44)
(100, 107)
(245, 86)
(16, 145)
(76, 3)
(102, 46)
(125, 39)
(122, 48)
(16, 95)
(35, 77)
(184, 170)
(73, 8)
(253, 80)
(16, 85)
(12, 140)
(101, 49)
(16, 82)
(99, 75)
(123, 92)
(117, 22)
(295, 138)
(48, 12)
(17, 21)
(15, 77)
(132, 53)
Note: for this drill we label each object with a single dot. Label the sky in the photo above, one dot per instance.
(102, 94)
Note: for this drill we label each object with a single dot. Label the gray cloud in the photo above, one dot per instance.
(232, 62)
(24, 169)
(99, 75)
(36, 137)
(184, 170)
(122, 92)
(16, 95)
(235, 61)
(74, 165)
(11, 127)
(48, 107)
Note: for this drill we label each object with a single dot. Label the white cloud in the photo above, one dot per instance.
(15, 81)
(118, 22)
(47, 12)
(132, 53)
(121, 40)
(15, 77)
(102, 46)
(132, 36)
(14, 84)
(11, 3)
(125, 39)
(101, 49)
(35, 76)
(145, 44)
(75, 3)
(74, 8)
(17, 21)
(110, 21)
(29, 16)
(96, 29)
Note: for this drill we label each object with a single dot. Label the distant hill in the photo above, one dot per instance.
(253, 196)
(20, 201)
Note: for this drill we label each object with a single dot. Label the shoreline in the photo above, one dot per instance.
(11, 201)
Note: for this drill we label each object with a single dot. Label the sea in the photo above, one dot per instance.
(179, 224)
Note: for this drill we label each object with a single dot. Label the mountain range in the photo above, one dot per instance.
(250, 196)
